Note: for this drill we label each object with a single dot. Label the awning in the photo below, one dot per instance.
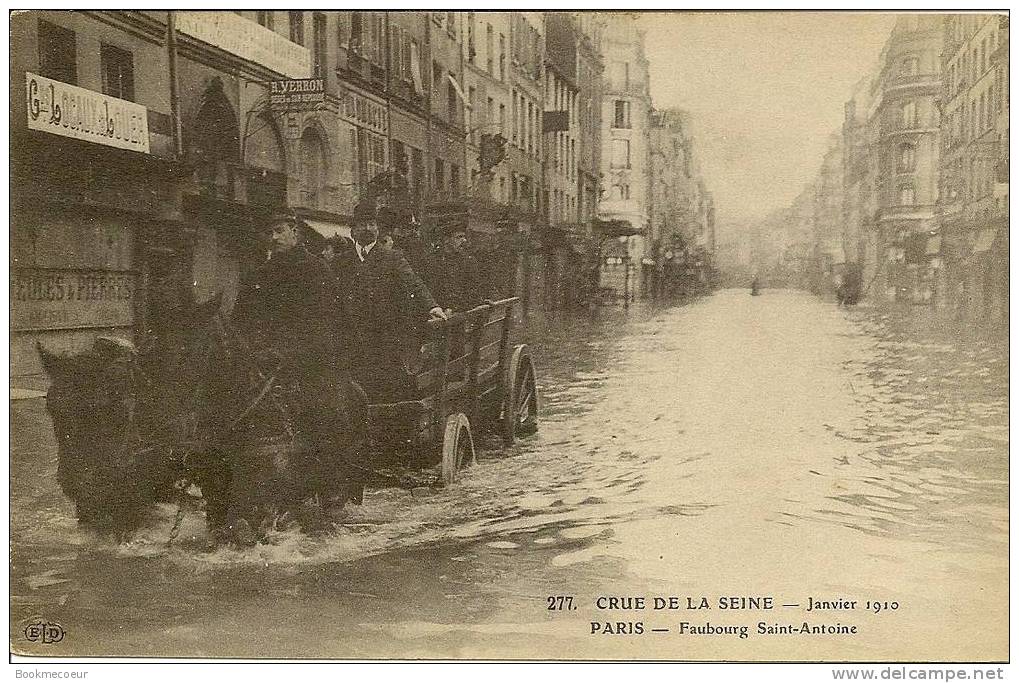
(933, 246)
(327, 229)
(984, 240)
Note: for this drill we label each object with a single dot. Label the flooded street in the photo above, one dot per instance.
(770, 447)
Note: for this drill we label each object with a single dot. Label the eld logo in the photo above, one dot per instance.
(44, 632)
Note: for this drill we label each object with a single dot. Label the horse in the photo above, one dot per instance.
(121, 417)
(257, 435)
(278, 428)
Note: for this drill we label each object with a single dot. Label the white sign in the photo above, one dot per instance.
(248, 40)
(73, 112)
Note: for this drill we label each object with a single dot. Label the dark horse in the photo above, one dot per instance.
(257, 435)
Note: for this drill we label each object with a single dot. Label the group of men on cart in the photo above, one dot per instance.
(357, 310)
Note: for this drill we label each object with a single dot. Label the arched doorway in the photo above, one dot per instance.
(212, 142)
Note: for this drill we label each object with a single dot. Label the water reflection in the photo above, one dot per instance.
(726, 432)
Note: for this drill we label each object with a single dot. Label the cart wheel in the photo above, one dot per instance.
(520, 411)
(457, 447)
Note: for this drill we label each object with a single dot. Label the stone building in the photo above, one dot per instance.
(571, 135)
(144, 157)
(973, 207)
(907, 122)
(625, 190)
(859, 178)
(829, 221)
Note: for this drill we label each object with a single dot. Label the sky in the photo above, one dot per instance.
(766, 91)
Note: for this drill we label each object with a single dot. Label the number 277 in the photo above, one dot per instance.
(558, 603)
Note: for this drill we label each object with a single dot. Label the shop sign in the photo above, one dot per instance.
(365, 113)
(248, 40)
(296, 94)
(73, 112)
(57, 299)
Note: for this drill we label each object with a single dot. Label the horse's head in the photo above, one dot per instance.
(92, 395)
(92, 402)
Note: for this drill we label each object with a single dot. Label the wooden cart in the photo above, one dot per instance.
(467, 379)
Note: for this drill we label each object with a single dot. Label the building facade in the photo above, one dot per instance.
(973, 206)
(626, 187)
(144, 156)
(907, 122)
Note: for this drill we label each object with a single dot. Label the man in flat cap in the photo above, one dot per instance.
(286, 313)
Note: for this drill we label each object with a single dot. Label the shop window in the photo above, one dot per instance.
(118, 72)
(57, 53)
(297, 27)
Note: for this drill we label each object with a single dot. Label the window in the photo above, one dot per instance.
(118, 72)
(312, 177)
(983, 113)
(440, 174)
(907, 158)
(415, 66)
(502, 119)
(371, 154)
(418, 171)
(451, 101)
(909, 66)
(454, 176)
(378, 39)
(400, 162)
(319, 44)
(622, 114)
(297, 27)
(489, 49)
(266, 19)
(451, 23)
(502, 57)
(57, 53)
(1001, 91)
(529, 130)
(472, 103)
(620, 154)
(356, 32)
(907, 197)
(471, 49)
(908, 114)
(515, 117)
(490, 112)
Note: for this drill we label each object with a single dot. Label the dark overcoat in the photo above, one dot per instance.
(386, 303)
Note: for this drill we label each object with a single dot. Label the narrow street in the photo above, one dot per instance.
(773, 446)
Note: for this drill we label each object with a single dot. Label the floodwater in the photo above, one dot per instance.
(775, 448)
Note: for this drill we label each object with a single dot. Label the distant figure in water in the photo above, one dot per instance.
(755, 286)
